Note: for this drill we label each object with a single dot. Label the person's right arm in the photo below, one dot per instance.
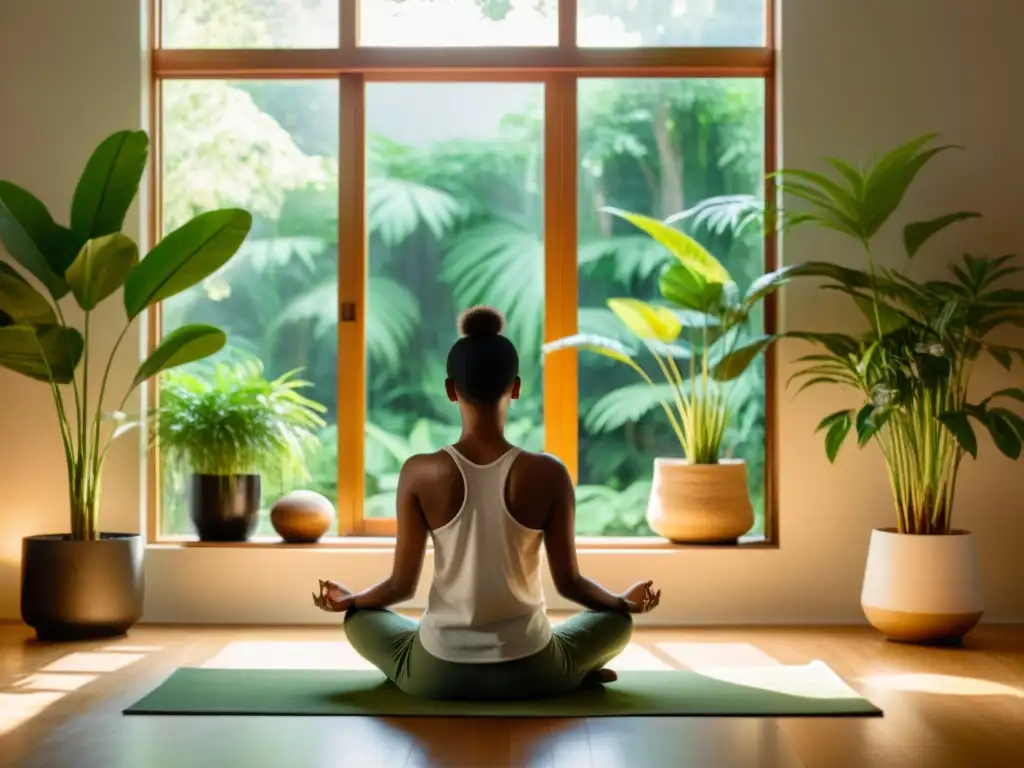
(560, 543)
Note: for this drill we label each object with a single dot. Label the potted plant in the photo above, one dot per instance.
(700, 341)
(89, 583)
(911, 374)
(228, 430)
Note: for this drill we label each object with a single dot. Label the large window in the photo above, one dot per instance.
(406, 159)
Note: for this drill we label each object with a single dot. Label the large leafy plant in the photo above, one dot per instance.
(700, 338)
(91, 260)
(238, 422)
(912, 370)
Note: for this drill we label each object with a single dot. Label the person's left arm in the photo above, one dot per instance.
(410, 547)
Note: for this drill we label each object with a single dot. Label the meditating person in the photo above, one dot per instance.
(487, 506)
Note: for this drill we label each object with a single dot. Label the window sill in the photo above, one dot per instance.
(584, 543)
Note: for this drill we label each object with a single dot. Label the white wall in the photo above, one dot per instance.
(857, 77)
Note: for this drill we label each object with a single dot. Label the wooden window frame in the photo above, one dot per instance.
(559, 67)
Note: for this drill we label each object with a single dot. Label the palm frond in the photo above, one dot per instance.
(396, 208)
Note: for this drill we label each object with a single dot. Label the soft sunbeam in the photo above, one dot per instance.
(943, 685)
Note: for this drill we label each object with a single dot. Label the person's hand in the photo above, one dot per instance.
(641, 597)
(333, 597)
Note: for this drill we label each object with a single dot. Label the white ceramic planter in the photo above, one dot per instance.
(922, 589)
(700, 503)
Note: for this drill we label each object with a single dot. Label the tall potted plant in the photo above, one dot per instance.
(701, 341)
(228, 431)
(89, 583)
(912, 374)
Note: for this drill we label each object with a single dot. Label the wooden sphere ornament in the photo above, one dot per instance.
(302, 517)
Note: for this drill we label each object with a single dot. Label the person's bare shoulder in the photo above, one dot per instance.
(429, 467)
(547, 470)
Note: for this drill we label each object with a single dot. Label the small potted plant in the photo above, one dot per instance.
(89, 583)
(911, 376)
(229, 430)
(700, 341)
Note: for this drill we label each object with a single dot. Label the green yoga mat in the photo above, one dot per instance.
(811, 690)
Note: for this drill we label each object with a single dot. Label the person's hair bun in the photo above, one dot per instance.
(481, 321)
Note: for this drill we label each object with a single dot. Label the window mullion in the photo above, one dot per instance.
(561, 404)
(352, 245)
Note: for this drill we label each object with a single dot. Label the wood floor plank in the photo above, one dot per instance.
(60, 705)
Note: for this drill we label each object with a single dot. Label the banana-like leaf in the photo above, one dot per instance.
(688, 289)
(21, 302)
(734, 363)
(108, 185)
(602, 345)
(101, 267)
(688, 251)
(183, 345)
(919, 232)
(45, 353)
(647, 321)
(185, 257)
(30, 236)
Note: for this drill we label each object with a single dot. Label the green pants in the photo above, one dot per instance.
(584, 643)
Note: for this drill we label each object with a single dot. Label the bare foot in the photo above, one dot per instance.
(600, 676)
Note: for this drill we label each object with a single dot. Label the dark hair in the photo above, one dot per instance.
(483, 363)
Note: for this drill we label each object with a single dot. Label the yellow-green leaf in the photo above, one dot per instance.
(647, 321)
(101, 267)
(688, 251)
(918, 233)
(21, 302)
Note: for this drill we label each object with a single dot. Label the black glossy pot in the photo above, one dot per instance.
(77, 590)
(225, 507)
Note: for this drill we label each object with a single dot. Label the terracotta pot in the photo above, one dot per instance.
(700, 503)
(302, 517)
(922, 589)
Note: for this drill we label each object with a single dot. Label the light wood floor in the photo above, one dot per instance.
(61, 706)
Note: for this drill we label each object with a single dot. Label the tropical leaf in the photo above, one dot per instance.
(1003, 431)
(627, 405)
(736, 361)
(28, 232)
(21, 302)
(632, 257)
(45, 353)
(396, 208)
(501, 264)
(101, 267)
(919, 232)
(182, 345)
(393, 316)
(602, 345)
(647, 322)
(724, 213)
(108, 185)
(839, 426)
(686, 250)
(960, 427)
(884, 318)
(185, 257)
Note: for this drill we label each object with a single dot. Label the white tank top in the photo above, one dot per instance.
(486, 601)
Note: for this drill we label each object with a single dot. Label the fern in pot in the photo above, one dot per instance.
(699, 341)
(227, 433)
(911, 376)
(89, 582)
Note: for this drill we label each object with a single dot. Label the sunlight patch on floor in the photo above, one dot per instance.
(133, 648)
(42, 681)
(702, 655)
(811, 681)
(636, 656)
(85, 661)
(287, 654)
(18, 708)
(945, 685)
